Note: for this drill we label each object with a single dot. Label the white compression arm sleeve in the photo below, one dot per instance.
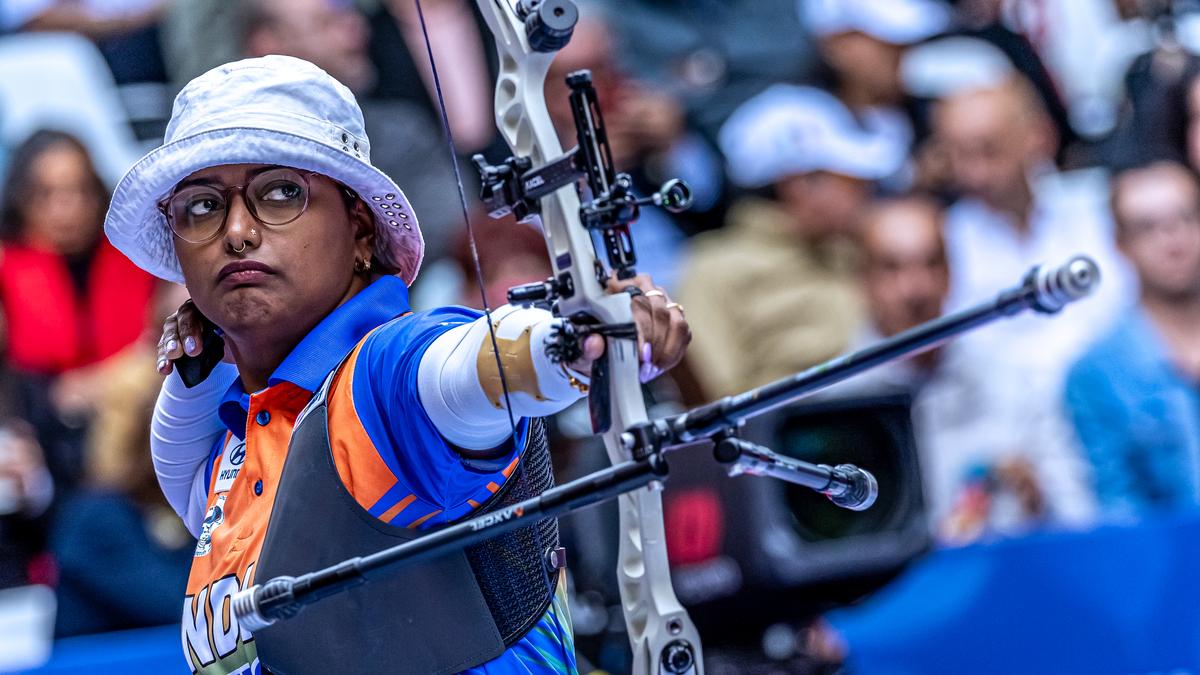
(457, 401)
(182, 433)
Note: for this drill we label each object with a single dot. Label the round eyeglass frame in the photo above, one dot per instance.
(164, 204)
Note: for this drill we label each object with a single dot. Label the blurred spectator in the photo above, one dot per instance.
(123, 554)
(199, 35)
(1087, 45)
(1157, 111)
(775, 291)
(69, 299)
(26, 491)
(906, 279)
(203, 34)
(405, 144)
(1018, 211)
(461, 45)
(125, 30)
(1134, 394)
(26, 488)
(331, 34)
(861, 44)
(994, 21)
(934, 70)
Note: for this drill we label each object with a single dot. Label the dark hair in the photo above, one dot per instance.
(18, 185)
(1155, 124)
(352, 201)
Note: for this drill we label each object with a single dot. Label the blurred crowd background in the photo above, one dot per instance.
(859, 167)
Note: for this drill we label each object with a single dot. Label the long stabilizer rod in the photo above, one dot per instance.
(1045, 290)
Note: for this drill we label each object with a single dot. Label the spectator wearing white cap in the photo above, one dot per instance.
(775, 290)
(861, 44)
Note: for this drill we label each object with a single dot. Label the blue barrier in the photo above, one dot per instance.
(1122, 600)
(149, 650)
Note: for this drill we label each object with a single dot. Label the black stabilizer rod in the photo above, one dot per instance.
(845, 485)
(283, 597)
(1045, 290)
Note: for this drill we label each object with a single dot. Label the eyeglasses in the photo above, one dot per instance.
(1175, 223)
(197, 213)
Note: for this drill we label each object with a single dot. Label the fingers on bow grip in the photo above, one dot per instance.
(565, 342)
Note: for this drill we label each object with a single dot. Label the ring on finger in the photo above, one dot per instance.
(676, 305)
(654, 293)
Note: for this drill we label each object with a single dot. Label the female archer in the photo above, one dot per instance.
(347, 422)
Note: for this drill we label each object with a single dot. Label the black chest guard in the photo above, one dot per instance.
(442, 616)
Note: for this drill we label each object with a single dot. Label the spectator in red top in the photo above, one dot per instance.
(68, 298)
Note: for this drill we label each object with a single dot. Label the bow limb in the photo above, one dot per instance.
(660, 630)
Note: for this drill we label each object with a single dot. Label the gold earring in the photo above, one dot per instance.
(361, 265)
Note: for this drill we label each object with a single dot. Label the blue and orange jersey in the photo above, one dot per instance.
(387, 452)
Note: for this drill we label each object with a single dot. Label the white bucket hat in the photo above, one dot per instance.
(270, 110)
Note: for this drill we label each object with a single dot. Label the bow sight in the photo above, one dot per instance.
(607, 202)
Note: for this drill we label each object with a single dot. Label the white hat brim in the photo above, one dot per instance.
(898, 22)
(138, 229)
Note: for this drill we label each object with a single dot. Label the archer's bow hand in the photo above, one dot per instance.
(663, 331)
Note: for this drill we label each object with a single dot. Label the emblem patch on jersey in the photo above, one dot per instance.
(212, 520)
(231, 464)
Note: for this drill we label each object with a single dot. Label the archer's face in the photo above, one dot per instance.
(273, 282)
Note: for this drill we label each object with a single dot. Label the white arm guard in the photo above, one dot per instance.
(459, 387)
(182, 433)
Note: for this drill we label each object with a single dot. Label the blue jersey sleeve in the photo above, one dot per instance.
(388, 404)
